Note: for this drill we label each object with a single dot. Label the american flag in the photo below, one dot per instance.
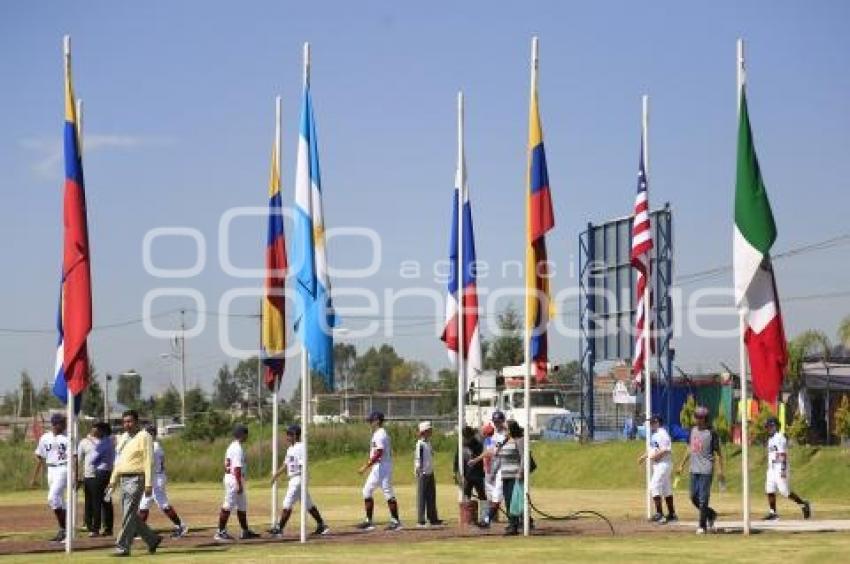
(641, 247)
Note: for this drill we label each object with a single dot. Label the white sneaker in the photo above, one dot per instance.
(700, 531)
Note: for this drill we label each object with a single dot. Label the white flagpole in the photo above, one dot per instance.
(526, 456)
(647, 325)
(276, 392)
(745, 450)
(461, 292)
(305, 376)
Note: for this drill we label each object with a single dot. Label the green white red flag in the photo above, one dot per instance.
(755, 286)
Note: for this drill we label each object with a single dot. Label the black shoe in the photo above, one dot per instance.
(107, 533)
(394, 525)
(483, 524)
(771, 517)
(656, 518)
(807, 510)
(321, 529)
(152, 548)
(366, 525)
(248, 534)
(672, 517)
(437, 523)
(59, 536)
(120, 553)
(275, 532)
(511, 531)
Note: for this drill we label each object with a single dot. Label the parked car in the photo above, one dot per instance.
(560, 428)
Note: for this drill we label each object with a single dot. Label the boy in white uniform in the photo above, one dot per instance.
(660, 483)
(293, 464)
(778, 473)
(158, 494)
(495, 435)
(52, 451)
(235, 472)
(380, 466)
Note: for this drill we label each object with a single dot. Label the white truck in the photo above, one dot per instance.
(490, 391)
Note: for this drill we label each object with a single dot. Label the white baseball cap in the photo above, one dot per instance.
(424, 426)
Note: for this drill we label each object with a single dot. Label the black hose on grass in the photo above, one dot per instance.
(571, 516)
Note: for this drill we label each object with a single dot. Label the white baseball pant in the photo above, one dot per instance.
(233, 499)
(158, 494)
(293, 494)
(57, 477)
(379, 477)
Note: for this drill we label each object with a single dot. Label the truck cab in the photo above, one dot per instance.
(546, 403)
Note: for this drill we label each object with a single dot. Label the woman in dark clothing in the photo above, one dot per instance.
(509, 461)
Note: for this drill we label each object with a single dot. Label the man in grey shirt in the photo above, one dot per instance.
(704, 451)
(85, 457)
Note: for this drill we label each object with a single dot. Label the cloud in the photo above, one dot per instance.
(50, 150)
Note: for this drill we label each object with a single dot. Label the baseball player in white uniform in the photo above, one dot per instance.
(158, 493)
(660, 483)
(235, 472)
(292, 465)
(380, 467)
(778, 477)
(52, 451)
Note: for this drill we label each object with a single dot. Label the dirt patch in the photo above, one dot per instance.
(24, 524)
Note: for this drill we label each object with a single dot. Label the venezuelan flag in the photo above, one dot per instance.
(540, 219)
(76, 299)
(273, 328)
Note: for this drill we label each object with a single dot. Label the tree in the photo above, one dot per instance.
(409, 375)
(245, 375)
(196, 402)
(27, 393)
(93, 399)
(842, 418)
(374, 369)
(345, 359)
(225, 389)
(800, 347)
(447, 381)
(567, 373)
(506, 349)
(168, 403)
(45, 399)
(844, 333)
(129, 388)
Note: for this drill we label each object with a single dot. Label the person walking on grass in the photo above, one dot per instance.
(660, 455)
(704, 452)
(472, 479)
(778, 477)
(293, 464)
(159, 494)
(426, 486)
(103, 461)
(235, 472)
(52, 452)
(380, 467)
(508, 465)
(133, 474)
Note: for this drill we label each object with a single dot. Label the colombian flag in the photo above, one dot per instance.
(539, 220)
(274, 332)
(75, 300)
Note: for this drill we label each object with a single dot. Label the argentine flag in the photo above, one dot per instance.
(314, 314)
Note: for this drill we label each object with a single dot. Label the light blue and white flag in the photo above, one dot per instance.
(314, 314)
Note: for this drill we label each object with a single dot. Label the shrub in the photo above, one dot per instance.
(842, 418)
(686, 416)
(758, 428)
(798, 431)
(721, 426)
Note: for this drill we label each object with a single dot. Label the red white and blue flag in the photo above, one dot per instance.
(462, 291)
(75, 300)
(640, 259)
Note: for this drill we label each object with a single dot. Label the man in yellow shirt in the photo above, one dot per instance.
(133, 473)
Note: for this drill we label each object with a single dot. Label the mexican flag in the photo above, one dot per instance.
(755, 285)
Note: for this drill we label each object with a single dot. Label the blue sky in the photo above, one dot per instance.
(178, 126)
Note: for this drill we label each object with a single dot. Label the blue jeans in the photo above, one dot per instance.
(700, 495)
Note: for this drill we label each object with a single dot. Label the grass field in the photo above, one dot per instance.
(603, 478)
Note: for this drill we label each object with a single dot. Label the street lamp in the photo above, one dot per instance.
(177, 354)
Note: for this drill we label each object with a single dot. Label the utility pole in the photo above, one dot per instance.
(107, 380)
(182, 352)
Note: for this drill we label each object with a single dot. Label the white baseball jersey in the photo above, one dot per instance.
(235, 458)
(777, 445)
(158, 458)
(294, 459)
(53, 449)
(381, 441)
(659, 440)
(499, 438)
(423, 457)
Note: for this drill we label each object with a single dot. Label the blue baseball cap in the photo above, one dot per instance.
(376, 416)
(240, 430)
(57, 418)
(498, 416)
(294, 430)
